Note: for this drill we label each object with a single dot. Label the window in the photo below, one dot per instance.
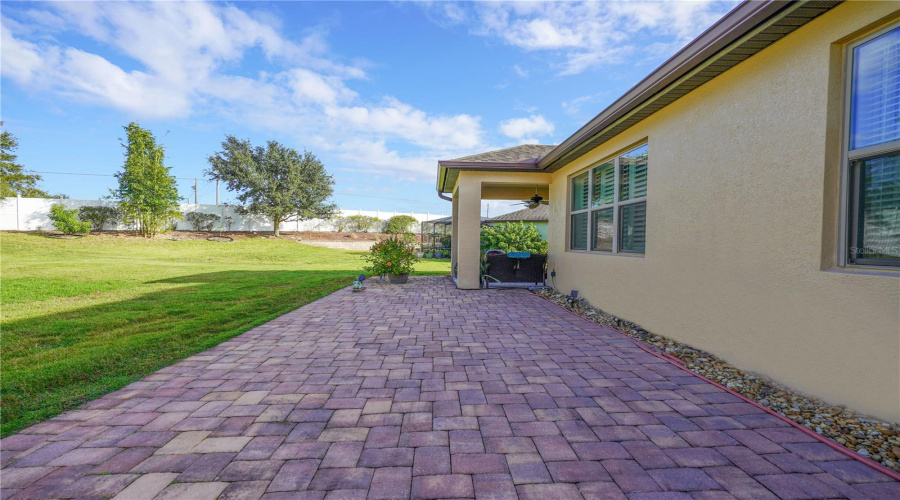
(873, 151)
(609, 205)
(579, 204)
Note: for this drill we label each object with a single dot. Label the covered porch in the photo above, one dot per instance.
(507, 174)
(471, 188)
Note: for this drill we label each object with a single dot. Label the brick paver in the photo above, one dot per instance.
(426, 391)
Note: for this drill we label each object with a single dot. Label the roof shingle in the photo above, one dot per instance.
(517, 154)
(539, 214)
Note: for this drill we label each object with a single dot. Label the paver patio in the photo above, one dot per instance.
(426, 391)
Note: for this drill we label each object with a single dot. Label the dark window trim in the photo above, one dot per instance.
(853, 213)
(616, 205)
(850, 163)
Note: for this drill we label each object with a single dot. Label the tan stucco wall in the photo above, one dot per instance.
(741, 173)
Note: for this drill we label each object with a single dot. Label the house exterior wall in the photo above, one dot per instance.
(542, 228)
(742, 222)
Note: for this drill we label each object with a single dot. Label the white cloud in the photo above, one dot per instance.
(184, 59)
(399, 119)
(309, 86)
(574, 106)
(524, 129)
(21, 59)
(588, 34)
(375, 157)
(543, 34)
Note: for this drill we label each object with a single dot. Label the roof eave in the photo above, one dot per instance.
(488, 165)
(445, 165)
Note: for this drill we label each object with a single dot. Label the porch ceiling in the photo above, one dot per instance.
(492, 191)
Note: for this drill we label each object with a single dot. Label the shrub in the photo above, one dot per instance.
(395, 255)
(340, 224)
(200, 221)
(361, 223)
(399, 224)
(67, 220)
(172, 223)
(512, 237)
(99, 217)
(227, 222)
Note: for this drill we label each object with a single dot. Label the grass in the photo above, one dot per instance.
(84, 317)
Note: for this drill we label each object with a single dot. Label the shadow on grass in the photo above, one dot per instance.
(56, 362)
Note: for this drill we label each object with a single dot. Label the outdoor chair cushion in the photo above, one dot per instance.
(507, 269)
(501, 268)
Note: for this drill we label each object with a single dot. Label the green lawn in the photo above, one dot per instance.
(84, 317)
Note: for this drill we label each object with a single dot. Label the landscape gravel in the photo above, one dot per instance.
(864, 435)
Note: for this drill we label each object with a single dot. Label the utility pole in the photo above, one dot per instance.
(217, 192)
(195, 190)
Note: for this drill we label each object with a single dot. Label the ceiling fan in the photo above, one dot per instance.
(535, 201)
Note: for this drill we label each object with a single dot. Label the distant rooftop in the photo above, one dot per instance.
(526, 153)
(539, 214)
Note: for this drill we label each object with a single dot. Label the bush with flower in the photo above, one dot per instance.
(395, 255)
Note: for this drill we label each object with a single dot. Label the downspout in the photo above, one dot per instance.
(444, 197)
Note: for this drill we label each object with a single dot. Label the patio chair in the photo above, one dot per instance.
(515, 268)
(501, 268)
(531, 270)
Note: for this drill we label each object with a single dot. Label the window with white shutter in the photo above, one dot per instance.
(615, 220)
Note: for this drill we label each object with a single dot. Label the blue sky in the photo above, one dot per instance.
(378, 90)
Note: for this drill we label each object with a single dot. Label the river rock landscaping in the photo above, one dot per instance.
(867, 436)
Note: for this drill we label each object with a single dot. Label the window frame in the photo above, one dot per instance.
(572, 213)
(850, 175)
(616, 205)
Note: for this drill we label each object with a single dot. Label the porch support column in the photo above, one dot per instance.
(454, 233)
(467, 232)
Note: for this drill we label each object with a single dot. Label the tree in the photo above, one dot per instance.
(512, 237)
(13, 179)
(147, 193)
(399, 224)
(275, 181)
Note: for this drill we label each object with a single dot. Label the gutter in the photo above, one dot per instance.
(490, 165)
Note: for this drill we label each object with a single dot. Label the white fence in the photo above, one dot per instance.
(32, 214)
